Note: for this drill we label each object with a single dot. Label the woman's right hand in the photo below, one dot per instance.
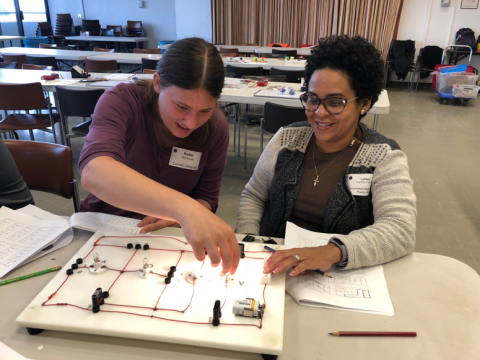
(206, 231)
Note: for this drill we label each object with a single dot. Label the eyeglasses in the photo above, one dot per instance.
(333, 105)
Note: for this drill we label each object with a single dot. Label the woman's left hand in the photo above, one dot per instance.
(152, 223)
(311, 258)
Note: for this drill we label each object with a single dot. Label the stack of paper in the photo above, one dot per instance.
(362, 290)
(22, 236)
(29, 233)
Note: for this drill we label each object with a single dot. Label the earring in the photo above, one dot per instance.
(362, 112)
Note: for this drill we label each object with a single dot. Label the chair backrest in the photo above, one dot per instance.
(43, 60)
(44, 166)
(247, 44)
(101, 65)
(92, 26)
(241, 71)
(149, 71)
(277, 116)
(134, 24)
(37, 67)
(285, 52)
(117, 29)
(22, 97)
(306, 45)
(274, 78)
(293, 76)
(104, 50)
(45, 29)
(147, 51)
(8, 65)
(77, 102)
(149, 64)
(64, 17)
(107, 32)
(233, 52)
(19, 59)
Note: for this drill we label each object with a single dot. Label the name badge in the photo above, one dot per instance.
(185, 159)
(360, 184)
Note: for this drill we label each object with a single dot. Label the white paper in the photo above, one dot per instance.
(61, 241)
(91, 221)
(277, 94)
(61, 82)
(7, 353)
(22, 235)
(118, 77)
(362, 290)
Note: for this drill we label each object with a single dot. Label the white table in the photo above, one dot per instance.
(115, 39)
(73, 55)
(11, 38)
(425, 289)
(268, 64)
(268, 50)
(127, 58)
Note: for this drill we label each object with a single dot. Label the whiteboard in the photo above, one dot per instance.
(184, 311)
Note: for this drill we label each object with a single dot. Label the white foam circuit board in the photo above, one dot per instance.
(142, 303)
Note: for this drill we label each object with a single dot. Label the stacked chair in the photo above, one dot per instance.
(63, 27)
(92, 26)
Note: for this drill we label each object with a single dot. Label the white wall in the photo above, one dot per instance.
(427, 23)
(158, 16)
(194, 18)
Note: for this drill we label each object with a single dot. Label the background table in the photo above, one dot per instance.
(10, 38)
(435, 296)
(268, 64)
(115, 39)
(268, 50)
(73, 55)
(127, 58)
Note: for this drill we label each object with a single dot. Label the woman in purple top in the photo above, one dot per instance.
(157, 151)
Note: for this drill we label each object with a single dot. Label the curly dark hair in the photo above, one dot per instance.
(356, 57)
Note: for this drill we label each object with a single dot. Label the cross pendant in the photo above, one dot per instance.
(315, 181)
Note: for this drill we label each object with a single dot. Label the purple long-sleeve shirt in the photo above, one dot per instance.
(122, 128)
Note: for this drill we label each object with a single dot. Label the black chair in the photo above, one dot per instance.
(271, 56)
(107, 32)
(240, 71)
(285, 52)
(76, 103)
(274, 117)
(427, 58)
(402, 54)
(43, 60)
(8, 65)
(293, 76)
(250, 119)
(150, 64)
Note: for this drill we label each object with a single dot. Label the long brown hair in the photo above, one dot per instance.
(190, 63)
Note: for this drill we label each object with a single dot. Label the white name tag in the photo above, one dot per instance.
(360, 184)
(185, 159)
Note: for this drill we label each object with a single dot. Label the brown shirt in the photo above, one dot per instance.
(312, 200)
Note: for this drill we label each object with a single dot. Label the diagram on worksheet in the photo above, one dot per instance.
(361, 289)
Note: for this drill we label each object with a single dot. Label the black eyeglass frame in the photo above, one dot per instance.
(322, 102)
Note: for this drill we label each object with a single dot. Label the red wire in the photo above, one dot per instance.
(142, 307)
(159, 274)
(193, 292)
(123, 270)
(153, 237)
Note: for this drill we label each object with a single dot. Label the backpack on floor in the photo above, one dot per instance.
(465, 36)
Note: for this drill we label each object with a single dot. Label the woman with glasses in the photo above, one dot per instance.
(332, 174)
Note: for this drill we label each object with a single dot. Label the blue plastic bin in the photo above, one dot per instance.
(34, 42)
(165, 43)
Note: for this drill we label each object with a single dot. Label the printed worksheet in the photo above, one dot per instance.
(362, 290)
(22, 235)
(92, 221)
